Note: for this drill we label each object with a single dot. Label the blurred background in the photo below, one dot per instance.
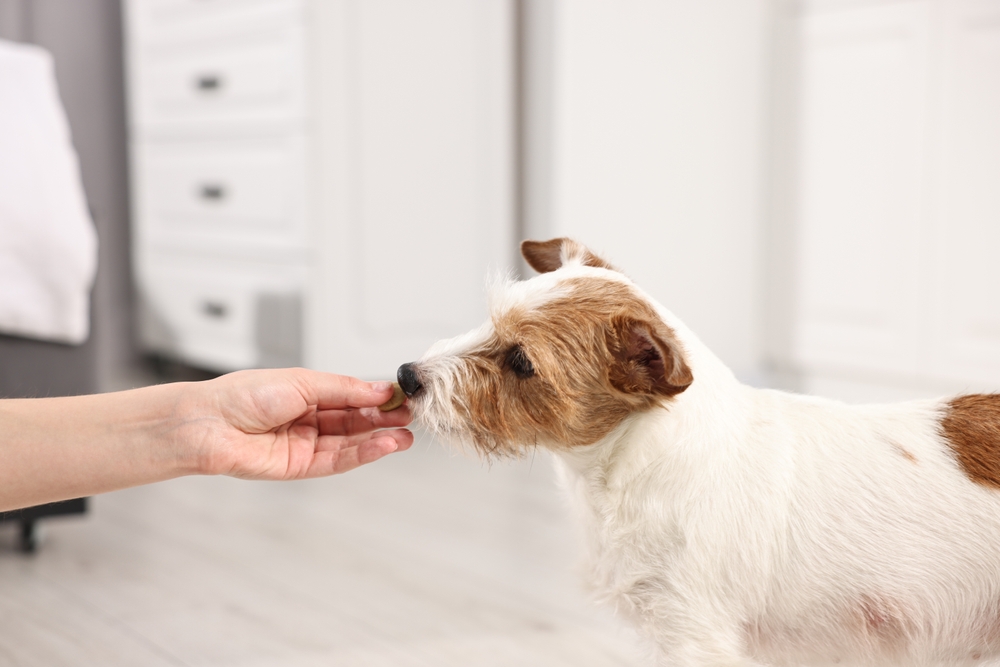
(812, 185)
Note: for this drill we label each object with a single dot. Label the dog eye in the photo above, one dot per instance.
(519, 362)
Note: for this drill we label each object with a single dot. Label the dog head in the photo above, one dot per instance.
(563, 360)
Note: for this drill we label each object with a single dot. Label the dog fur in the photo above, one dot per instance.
(732, 525)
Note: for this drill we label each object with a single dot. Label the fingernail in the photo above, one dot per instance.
(381, 386)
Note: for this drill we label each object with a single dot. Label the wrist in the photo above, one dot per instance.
(166, 418)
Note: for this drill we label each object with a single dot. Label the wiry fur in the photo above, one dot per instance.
(733, 526)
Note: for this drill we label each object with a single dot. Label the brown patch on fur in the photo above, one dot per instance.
(599, 354)
(546, 256)
(971, 426)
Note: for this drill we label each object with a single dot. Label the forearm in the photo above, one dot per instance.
(58, 448)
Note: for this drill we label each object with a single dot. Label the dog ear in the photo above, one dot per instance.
(647, 359)
(545, 256)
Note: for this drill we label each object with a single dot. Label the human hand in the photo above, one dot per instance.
(289, 424)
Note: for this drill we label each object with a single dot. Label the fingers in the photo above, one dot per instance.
(377, 447)
(329, 391)
(327, 423)
(336, 455)
(403, 438)
(348, 422)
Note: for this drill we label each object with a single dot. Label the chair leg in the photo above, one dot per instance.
(27, 543)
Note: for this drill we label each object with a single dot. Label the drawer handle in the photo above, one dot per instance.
(208, 82)
(212, 192)
(214, 309)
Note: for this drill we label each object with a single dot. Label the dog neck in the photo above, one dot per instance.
(672, 434)
(639, 442)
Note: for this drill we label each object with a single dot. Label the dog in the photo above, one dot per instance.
(733, 526)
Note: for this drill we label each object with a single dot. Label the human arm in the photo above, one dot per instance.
(261, 424)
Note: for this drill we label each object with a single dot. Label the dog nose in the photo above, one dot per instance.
(408, 380)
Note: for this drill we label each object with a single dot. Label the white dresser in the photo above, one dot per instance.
(317, 182)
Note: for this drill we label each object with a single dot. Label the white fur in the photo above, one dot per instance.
(738, 526)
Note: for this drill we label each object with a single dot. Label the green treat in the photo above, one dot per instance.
(398, 398)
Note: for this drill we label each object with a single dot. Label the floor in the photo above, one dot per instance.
(425, 558)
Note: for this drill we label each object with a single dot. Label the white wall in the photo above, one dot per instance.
(645, 139)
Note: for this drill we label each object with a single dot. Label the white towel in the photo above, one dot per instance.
(48, 246)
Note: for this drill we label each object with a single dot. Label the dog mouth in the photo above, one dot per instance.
(425, 402)
(431, 395)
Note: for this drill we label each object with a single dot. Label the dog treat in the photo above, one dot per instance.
(398, 398)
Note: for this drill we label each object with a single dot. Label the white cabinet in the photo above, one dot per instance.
(894, 195)
(316, 181)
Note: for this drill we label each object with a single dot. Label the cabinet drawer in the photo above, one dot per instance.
(228, 191)
(178, 26)
(260, 81)
(221, 316)
(166, 15)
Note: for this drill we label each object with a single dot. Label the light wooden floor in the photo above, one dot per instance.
(424, 558)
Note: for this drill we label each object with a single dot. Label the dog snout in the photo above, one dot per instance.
(409, 380)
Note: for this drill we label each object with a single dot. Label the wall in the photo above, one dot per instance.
(643, 136)
(646, 140)
(84, 36)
